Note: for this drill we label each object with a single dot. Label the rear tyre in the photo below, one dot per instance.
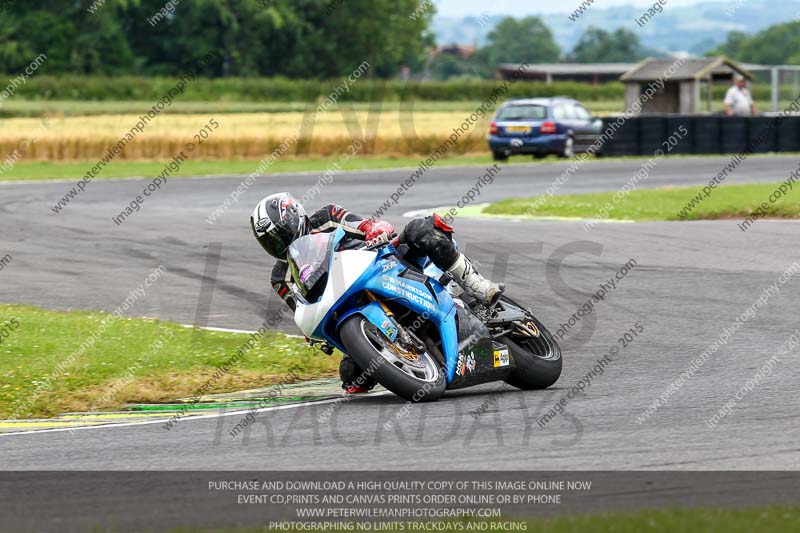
(538, 360)
(422, 380)
(500, 156)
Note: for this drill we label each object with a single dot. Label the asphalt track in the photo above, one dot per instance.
(691, 280)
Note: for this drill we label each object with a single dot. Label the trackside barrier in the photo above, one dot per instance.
(708, 134)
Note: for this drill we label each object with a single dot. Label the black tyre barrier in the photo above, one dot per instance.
(707, 137)
(733, 135)
(625, 140)
(788, 134)
(681, 125)
(762, 135)
(701, 134)
(652, 134)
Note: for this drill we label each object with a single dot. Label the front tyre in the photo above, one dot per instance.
(568, 151)
(415, 377)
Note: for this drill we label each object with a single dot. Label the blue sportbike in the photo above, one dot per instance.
(409, 326)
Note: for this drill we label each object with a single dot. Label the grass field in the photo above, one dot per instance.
(85, 130)
(240, 135)
(133, 360)
(72, 131)
(727, 201)
(43, 170)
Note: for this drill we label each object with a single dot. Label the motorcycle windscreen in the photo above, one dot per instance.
(309, 259)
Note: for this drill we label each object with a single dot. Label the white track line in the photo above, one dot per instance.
(195, 417)
(228, 330)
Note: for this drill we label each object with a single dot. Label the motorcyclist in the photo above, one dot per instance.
(279, 219)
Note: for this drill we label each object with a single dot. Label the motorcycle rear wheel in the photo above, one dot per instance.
(421, 381)
(538, 360)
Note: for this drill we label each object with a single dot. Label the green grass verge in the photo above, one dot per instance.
(771, 518)
(726, 201)
(16, 107)
(40, 108)
(166, 361)
(678, 521)
(43, 170)
(46, 170)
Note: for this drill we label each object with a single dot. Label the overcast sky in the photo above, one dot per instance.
(459, 8)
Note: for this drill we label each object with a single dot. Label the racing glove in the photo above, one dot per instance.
(376, 232)
(285, 292)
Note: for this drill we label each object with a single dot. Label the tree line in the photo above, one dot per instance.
(530, 40)
(776, 45)
(309, 39)
(292, 38)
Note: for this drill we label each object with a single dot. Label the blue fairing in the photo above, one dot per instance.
(375, 314)
(426, 297)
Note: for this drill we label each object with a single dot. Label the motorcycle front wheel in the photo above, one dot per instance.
(417, 377)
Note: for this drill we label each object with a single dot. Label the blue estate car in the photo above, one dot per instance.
(542, 126)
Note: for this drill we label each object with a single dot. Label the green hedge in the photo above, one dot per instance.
(96, 88)
(284, 90)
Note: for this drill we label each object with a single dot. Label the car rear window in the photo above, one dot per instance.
(522, 112)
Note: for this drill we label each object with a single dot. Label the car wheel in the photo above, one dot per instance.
(500, 156)
(568, 152)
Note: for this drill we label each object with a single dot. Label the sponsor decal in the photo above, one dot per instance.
(388, 328)
(389, 265)
(305, 273)
(413, 288)
(407, 291)
(465, 363)
(401, 285)
(263, 224)
(501, 358)
(285, 204)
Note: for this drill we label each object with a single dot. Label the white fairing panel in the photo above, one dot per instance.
(346, 267)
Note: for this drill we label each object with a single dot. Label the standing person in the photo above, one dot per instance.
(738, 102)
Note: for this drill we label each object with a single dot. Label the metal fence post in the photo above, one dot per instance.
(776, 85)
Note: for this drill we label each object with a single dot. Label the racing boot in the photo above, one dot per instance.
(480, 288)
(357, 389)
(354, 380)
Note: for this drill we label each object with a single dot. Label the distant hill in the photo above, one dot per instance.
(693, 29)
